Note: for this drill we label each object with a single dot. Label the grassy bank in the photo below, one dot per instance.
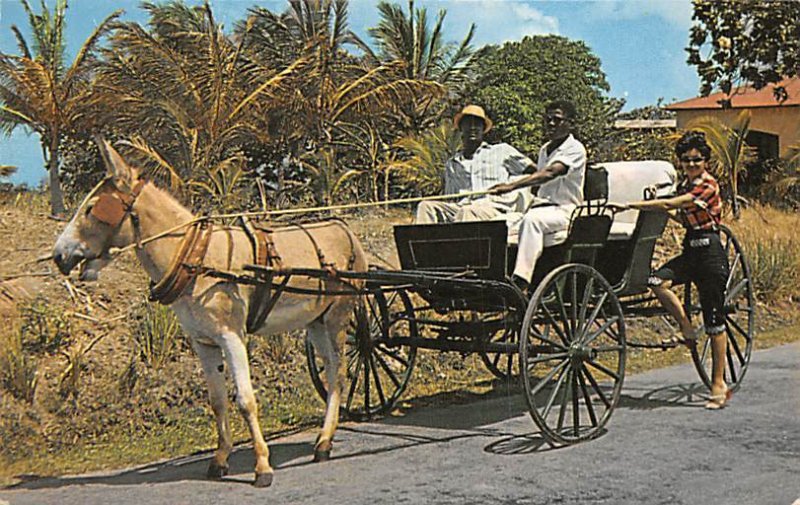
(92, 377)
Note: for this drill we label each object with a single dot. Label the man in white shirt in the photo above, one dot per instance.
(478, 167)
(561, 169)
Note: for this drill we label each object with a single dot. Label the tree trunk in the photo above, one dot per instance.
(56, 195)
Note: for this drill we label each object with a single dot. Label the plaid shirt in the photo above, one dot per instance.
(706, 208)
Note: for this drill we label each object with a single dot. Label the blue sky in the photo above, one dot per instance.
(640, 42)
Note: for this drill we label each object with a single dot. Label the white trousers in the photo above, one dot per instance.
(435, 211)
(537, 222)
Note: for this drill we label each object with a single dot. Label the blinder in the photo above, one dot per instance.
(112, 205)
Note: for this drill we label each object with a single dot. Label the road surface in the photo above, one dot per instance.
(661, 447)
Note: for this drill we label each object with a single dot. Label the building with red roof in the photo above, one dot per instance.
(774, 124)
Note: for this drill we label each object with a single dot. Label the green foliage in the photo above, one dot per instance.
(39, 93)
(517, 81)
(730, 151)
(753, 41)
(630, 145)
(785, 181)
(19, 370)
(44, 327)
(157, 334)
(410, 39)
(428, 152)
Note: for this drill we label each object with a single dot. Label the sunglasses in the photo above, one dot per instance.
(697, 159)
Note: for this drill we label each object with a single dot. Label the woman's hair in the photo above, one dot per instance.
(693, 139)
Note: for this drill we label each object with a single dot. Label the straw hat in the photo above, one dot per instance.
(477, 111)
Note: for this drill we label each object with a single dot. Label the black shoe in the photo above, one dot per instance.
(521, 283)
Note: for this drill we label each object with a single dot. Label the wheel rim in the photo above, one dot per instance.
(503, 365)
(574, 354)
(377, 371)
(739, 317)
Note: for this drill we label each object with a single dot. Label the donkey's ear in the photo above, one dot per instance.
(115, 164)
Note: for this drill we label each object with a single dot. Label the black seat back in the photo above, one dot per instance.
(479, 247)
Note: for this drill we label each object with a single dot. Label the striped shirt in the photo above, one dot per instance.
(489, 165)
(706, 208)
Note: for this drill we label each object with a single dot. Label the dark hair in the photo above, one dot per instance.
(567, 107)
(693, 139)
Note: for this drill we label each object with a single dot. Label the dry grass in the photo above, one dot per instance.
(95, 401)
(772, 245)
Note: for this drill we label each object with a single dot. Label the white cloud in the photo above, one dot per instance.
(497, 21)
(676, 12)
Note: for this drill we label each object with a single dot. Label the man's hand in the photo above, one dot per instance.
(499, 189)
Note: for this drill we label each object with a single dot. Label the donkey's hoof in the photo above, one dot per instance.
(263, 480)
(321, 455)
(216, 471)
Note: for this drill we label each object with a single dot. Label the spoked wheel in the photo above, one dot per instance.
(377, 369)
(573, 349)
(739, 317)
(503, 365)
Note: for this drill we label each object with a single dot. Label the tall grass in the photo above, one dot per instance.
(157, 334)
(771, 244)
(45, 327)
(19, 370)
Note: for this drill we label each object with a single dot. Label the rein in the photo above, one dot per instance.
(286, 212)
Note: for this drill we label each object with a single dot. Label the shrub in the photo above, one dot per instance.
(45, 327)
(18, 369)
(157, 334)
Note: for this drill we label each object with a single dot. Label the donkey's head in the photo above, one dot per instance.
(102, 221)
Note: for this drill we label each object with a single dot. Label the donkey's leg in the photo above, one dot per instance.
(328, 338)
(214, 371)
(236, 356)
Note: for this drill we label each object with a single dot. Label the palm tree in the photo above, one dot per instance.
(340, 95)
(428, 153)
(730, 149)
(39, 93)
(189, 99)
(408, 38)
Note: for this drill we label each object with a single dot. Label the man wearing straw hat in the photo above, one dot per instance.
(478, 167)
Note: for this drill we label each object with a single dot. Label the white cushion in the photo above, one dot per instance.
(627, 181)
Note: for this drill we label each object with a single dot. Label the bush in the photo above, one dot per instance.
(18, 369)
(45, 328)
(157, 334)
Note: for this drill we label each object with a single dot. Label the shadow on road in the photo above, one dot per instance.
(473, 416)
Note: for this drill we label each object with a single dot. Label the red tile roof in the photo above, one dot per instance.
(745, 97)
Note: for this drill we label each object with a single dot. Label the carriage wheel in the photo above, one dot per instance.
(739, 317)
(503, 365)
(377, 370)
(573, 348)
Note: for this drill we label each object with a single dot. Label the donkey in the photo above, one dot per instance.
(124, 210)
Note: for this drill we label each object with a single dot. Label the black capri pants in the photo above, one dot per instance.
(704, 263)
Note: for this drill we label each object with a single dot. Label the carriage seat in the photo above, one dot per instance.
(627, 181)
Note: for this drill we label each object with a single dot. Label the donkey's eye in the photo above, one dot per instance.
(88, 209)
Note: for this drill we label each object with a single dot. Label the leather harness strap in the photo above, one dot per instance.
(185, 266)
(263, 298)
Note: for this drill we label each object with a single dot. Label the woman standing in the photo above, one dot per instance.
(697, 207)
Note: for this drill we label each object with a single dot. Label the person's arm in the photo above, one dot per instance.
(543, 176)
(665, 204)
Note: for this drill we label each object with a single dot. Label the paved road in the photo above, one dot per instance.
(662, 447)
